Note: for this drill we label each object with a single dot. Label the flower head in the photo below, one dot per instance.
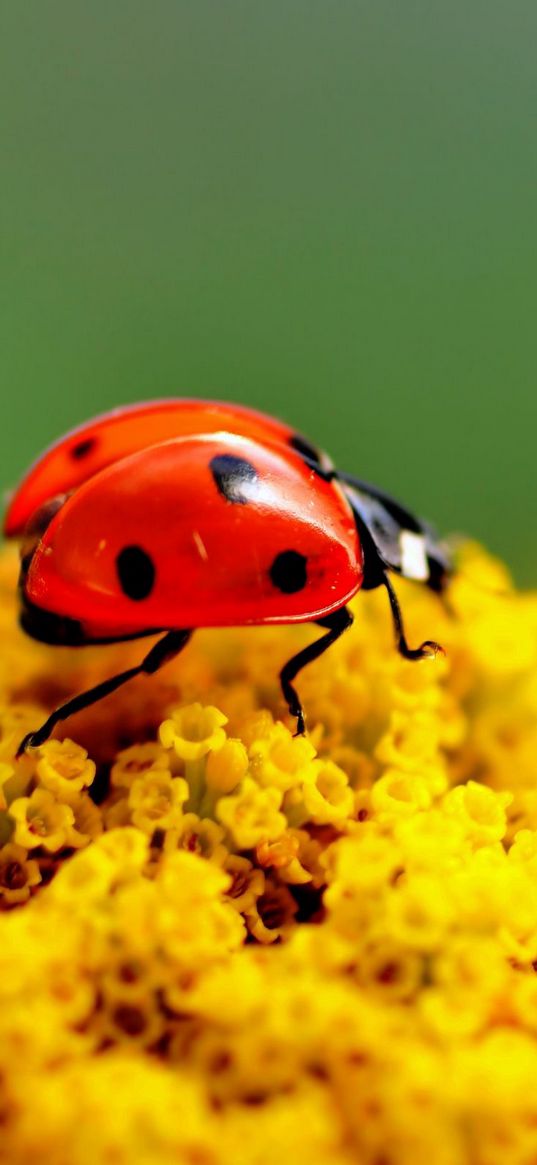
(200, 836)
(260, 946)
(136, 760)
(328, 799)
(156, 800)
(280, 760)
(480, 811)
(193, 731)
(64, 768)
(18, 874)
(252, 814)
(42, 821)
(399, 793)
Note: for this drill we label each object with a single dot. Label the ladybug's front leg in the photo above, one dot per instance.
(337, 623)
(161, 652)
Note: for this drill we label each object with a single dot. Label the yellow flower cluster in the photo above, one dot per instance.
(223, 943)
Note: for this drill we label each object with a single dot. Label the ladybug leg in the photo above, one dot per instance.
(336, 623)
(161, 652)
(426, 650)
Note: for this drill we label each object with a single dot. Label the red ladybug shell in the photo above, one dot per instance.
(87, 450)
(209, 530)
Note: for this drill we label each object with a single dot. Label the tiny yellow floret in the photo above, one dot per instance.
(40, 820)
(252, 814)
(156, 799)
(64, 767)
(18, 874)
(194, 731)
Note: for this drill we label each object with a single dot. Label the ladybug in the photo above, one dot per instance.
(167, 516)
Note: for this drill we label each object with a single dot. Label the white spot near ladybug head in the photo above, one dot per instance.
(414, 563)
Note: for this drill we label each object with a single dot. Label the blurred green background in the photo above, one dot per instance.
(324, 209)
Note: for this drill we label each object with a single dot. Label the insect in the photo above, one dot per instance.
(177, 514)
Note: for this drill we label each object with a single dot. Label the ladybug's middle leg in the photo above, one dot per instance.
(161, 652)
(336, 623)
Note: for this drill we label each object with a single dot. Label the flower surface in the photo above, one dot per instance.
(220, 942)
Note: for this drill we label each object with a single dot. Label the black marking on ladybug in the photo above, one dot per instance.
(136, 572)
(83, 448)
(233, 477)
(47, 627)
(289, 572)
(305, 449)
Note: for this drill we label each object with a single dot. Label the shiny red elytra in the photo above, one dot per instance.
(83, 452)
(179, 514)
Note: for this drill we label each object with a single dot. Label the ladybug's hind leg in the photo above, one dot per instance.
(426, 650)
(376, 575)
(161, 652)
(336, 623)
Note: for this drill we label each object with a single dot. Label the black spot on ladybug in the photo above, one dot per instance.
(306, 450)
(289, 572)
(233, 477)
(83, 448)
(136, 572)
